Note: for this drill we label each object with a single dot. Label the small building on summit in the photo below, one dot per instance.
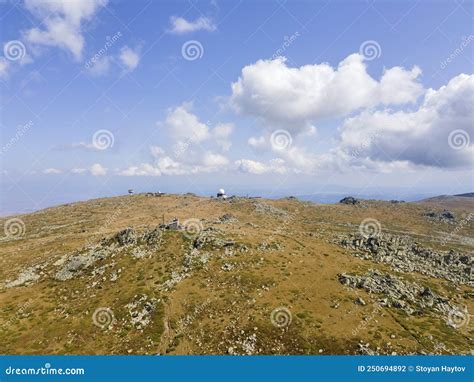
(174, 224)
(221, 194)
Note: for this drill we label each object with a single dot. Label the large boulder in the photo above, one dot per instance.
(349, 200)
(127, 236)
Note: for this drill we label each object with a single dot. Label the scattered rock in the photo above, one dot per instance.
(365, 349)
(227, 218)
(26, 277)
(152, 237)
(264, 208)
(397, 292)
(360, 301)
(71, 266)
(349, 200)
(211, 237)
(140, 310)
(269, 246)
(444, 217)
(125, 237)
(156, 194)
(404, 255)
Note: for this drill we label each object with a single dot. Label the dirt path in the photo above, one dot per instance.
(167, 332)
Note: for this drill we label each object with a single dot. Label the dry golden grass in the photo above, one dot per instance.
(214, 310)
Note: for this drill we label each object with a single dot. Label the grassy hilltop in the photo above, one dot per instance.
(239, 276)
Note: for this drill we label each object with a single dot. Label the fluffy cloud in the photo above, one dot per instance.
(78, 170)
(212, 161)
(129, 58)
(291, 98)
(143, 169)
(62, 20)
(52, 171)
(95, 170)
(193, 149)
(193, 163)
(100, 67)
(439, 133)
(98, 170)
(255, 167)
(180, 25)
(3, 67)
(221, 134)
(257, 143)
(183, 125)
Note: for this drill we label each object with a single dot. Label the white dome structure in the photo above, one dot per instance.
(221, 193)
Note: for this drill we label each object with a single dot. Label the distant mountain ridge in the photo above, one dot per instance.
(466, 195)
(449, 197)
(465, 200)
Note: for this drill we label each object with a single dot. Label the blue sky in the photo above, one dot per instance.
(271, 97)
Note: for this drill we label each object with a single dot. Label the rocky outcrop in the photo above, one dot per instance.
(73, 265)
(398, 293)
(444, 217)
(349, 200)
(125, 237)
(141, 310)
(26, 277)
(211, 237)
(227, 218)
(404, 255)
(268, 209)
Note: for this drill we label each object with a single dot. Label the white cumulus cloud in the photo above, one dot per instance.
(180, 25)
(291, 98)
(61, 23)
(221, 134)
(250, 166)
(129, 58)
(98, 170)
(183, 125)
(100, 67)
(420, 137)
(3, 67)
(52, 171)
